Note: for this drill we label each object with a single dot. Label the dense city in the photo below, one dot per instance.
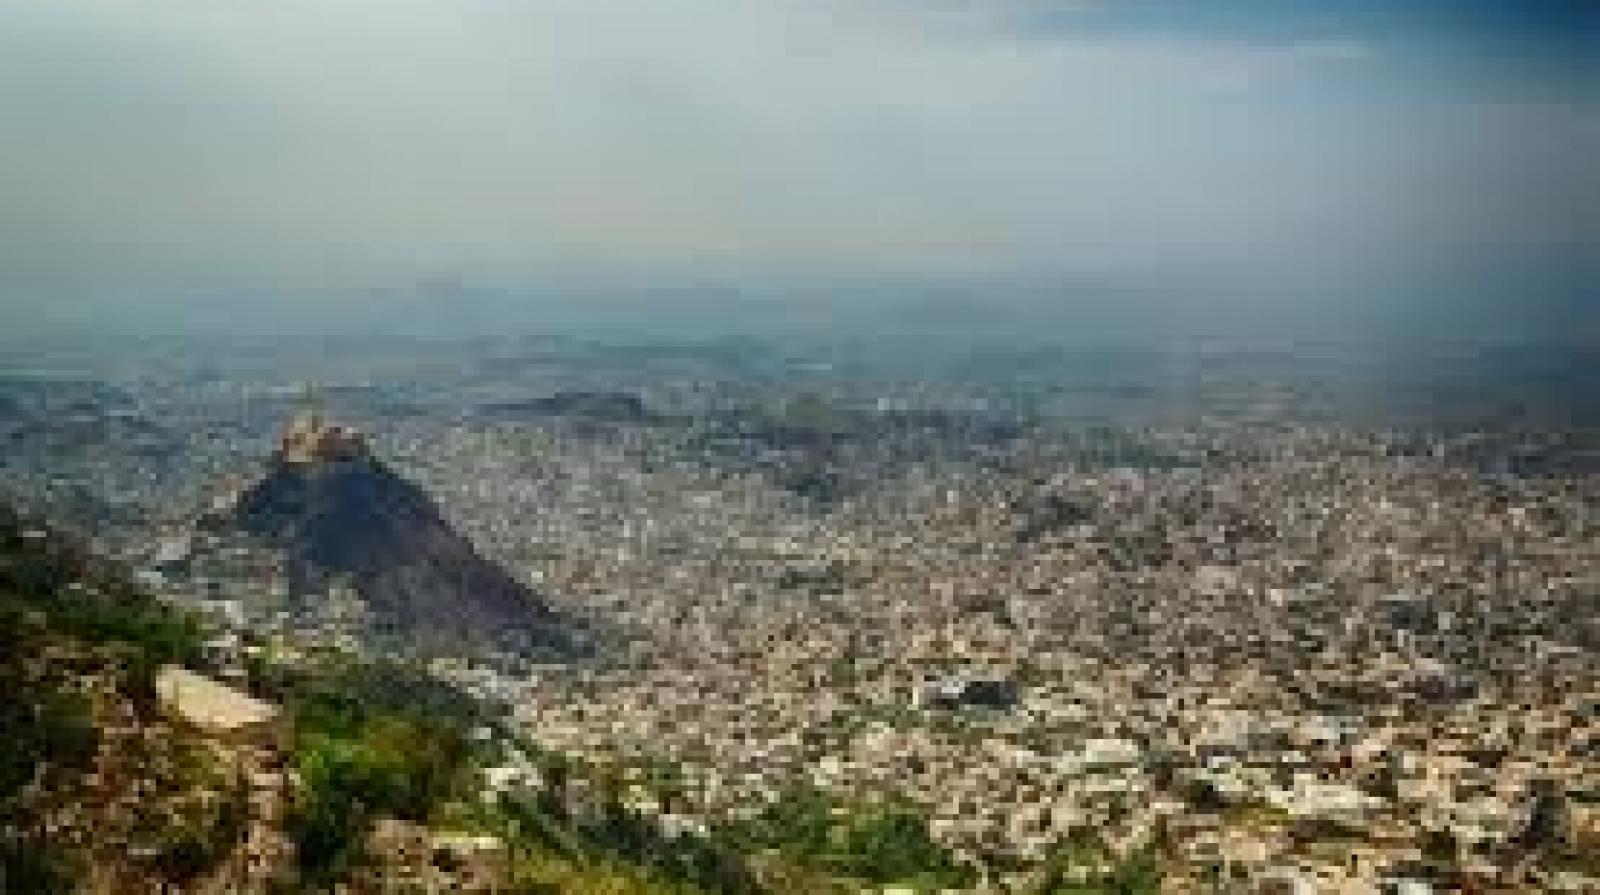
(1257, 648)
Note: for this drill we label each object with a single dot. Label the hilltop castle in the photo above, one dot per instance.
(310, 439)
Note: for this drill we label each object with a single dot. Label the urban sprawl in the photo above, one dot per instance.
(1292, 653)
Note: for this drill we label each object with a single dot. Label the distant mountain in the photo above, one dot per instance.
(597, 406)
(338, 513)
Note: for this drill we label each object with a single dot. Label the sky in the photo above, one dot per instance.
(162, 160)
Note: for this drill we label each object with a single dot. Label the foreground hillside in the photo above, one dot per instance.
(136, 761)
(364, 777)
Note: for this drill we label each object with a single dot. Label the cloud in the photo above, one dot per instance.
(357, 144)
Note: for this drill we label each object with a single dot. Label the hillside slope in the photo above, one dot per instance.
(370, 778)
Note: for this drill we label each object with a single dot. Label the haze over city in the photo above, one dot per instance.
(313, 166)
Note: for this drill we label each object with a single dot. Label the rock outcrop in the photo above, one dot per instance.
(340, 514)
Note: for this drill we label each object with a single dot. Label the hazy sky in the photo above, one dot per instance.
(196, 148)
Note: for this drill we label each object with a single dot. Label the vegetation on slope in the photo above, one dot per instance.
(370, 740)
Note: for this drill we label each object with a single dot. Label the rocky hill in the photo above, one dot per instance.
(339, 513)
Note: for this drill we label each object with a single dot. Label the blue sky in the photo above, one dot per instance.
(1283, 147)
